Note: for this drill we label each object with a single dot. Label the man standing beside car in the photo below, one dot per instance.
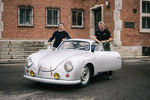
(103, 36)
(59, 36)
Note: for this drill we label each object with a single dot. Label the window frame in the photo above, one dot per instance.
(77, 26)
(143, 15)
(58, 17)
(19, 17)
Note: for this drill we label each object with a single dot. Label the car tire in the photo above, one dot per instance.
(85, 76)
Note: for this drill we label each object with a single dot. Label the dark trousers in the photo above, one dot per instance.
(106, 46)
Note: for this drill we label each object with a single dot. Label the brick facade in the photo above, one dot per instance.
(129, 12)
(39, 29)
(107, 13)
(133, 36)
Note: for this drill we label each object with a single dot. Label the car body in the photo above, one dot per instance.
(75, 61)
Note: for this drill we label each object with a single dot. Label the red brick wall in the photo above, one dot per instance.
(129, 36)
(132, 36)
(39, 29)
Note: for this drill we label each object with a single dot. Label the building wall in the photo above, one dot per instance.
(39, 29)
(114, 18)
(132, 36)
(127, 36)
(1, 21)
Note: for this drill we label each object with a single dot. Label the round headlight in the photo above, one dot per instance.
(68, 67)
(29, 63)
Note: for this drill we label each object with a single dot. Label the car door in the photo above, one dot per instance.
(104, 59)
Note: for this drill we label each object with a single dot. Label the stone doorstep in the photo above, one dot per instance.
(15, 53)
(10, 61)
(19, 57)
(3, 52)
(19, 50)
(20, 53)
(22, 46)
(13, 56)
(6, 43)
(4, 49)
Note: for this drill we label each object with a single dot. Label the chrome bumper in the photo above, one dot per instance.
(52, 81)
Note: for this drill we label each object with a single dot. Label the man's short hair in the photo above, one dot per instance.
(101, 22)
(61, 23)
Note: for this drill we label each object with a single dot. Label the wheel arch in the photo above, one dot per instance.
(91, 66)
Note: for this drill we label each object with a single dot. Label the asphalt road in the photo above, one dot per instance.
(132, 82)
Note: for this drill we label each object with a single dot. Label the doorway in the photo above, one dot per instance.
(96, 15)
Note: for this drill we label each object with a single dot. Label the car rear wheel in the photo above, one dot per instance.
(85, 76)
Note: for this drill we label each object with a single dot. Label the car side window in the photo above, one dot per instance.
(83, 46)
(93, 48)
(103, 47)
(96, 47)
(99, 47)
(109, 46)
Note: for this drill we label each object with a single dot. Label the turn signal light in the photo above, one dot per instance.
(32, 73)
(56, 76)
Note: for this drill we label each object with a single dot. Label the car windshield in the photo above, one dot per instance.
(78, 45)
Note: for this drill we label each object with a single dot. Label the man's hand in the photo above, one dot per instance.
(103, 41)
(63, 39)
(49, 43)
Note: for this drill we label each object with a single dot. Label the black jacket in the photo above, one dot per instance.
(58, 36)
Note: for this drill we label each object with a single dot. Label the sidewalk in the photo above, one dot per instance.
(137, 57)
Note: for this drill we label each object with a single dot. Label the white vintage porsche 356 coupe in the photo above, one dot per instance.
(75, 61)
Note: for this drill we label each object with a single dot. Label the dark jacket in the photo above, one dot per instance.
(58, 36)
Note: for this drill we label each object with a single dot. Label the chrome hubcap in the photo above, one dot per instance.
(85, 75)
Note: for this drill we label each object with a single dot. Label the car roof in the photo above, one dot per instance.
(86, 40)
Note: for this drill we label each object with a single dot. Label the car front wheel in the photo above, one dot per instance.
(85, 76)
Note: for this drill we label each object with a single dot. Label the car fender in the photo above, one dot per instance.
(79, 62)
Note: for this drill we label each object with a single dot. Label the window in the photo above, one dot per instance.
(145, 16)
(25, 16)
(52, 17)
(77, 18)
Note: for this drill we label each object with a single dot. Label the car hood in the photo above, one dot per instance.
(53, 59)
